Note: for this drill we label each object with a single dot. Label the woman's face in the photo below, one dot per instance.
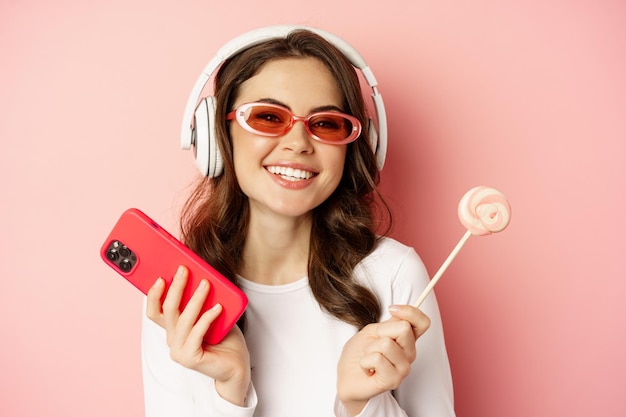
(292, 174)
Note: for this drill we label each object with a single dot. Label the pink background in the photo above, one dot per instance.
(525, 96)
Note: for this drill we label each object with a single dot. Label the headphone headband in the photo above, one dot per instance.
(193, 129)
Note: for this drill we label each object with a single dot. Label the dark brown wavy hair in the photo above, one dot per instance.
(345, 227)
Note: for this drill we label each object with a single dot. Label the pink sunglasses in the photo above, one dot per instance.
(267, 119)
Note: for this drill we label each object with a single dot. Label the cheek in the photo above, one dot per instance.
(242, 161)
(335, 158)
(248, 154)
(241, 157)
(334, 163)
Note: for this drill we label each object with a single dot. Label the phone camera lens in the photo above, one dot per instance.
(125, 252)
(126, 265)
(112, 255)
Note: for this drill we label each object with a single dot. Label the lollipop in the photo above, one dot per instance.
(483, 211)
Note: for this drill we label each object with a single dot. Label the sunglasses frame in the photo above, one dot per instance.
(239, 115)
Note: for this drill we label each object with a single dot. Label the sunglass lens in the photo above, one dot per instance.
(330, 127)
(266, 119)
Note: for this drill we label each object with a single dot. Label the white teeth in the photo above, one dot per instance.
(290, 174)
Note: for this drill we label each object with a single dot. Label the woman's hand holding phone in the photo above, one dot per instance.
(227, 362)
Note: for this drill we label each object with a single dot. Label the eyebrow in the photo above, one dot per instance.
(329, 107)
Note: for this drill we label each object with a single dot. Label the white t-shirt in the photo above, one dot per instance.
(294, 349)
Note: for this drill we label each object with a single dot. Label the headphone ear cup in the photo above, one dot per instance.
(208, 157)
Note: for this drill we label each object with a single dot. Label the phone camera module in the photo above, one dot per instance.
(121, 256)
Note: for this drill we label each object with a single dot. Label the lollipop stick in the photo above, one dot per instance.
(442, 269)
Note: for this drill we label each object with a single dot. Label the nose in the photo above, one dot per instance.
(297, 139)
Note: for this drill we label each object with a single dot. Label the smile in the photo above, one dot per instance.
(290, 174)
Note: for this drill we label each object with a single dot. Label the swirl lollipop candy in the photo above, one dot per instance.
(483, 211)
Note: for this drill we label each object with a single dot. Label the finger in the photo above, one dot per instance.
(171, 304)
(401, 331)
(419, 321)
(198, 331)
(190, 314)
(398, 357)
(153, 304)
(384, 373)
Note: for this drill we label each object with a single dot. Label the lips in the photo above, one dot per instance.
(289, 173)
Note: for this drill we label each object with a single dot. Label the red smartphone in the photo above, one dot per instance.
(141, 251)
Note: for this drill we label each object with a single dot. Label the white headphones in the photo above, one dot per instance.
(198, 128)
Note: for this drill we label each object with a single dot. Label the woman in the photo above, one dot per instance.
(293, 221)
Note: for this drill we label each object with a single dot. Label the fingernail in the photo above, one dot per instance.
(216, 307)
(179, 272)
(394, 309)
(203, 285)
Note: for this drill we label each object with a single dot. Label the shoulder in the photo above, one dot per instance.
(389, 247)
(390, 256)
(394, 271)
